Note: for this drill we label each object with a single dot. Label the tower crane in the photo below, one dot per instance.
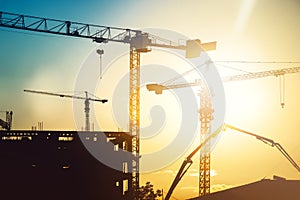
(158, 88)
(86, 99)
(6, 124)
(139, 42)
(188, 161)
(206, 113)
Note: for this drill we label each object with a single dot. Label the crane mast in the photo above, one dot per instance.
(87, 112)
(7, 123)
(205, 117)
(134, 113)
(139, 43)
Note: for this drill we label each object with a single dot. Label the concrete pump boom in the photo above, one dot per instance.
(268, 141)
(188, 161)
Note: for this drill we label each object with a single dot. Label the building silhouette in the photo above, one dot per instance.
(44, 165)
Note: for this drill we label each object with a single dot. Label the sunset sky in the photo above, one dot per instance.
(245, 30)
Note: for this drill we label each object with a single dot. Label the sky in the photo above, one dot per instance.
(259, 31)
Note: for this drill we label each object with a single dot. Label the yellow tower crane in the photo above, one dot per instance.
(139, 42)
(206, 113)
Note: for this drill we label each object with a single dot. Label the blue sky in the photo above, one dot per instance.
(67, 9)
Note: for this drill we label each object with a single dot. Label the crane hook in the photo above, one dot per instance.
(100, 52)
(282, 90)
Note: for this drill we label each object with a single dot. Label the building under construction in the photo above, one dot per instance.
(56, 165)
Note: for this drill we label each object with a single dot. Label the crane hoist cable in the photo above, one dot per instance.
(282, 90)
(100, 52)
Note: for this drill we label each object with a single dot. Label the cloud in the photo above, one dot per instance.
(220, 187)
(196, 174)
(166, 172)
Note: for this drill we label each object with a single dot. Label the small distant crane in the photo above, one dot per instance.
(6, 124)
(86, 99)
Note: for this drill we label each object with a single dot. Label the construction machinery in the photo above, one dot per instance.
(139, 41)
(86, 99)
(8, 122)
(268, 141)
(188, 161)
(206, 112)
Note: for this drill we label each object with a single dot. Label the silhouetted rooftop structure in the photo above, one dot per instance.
(265, 189)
